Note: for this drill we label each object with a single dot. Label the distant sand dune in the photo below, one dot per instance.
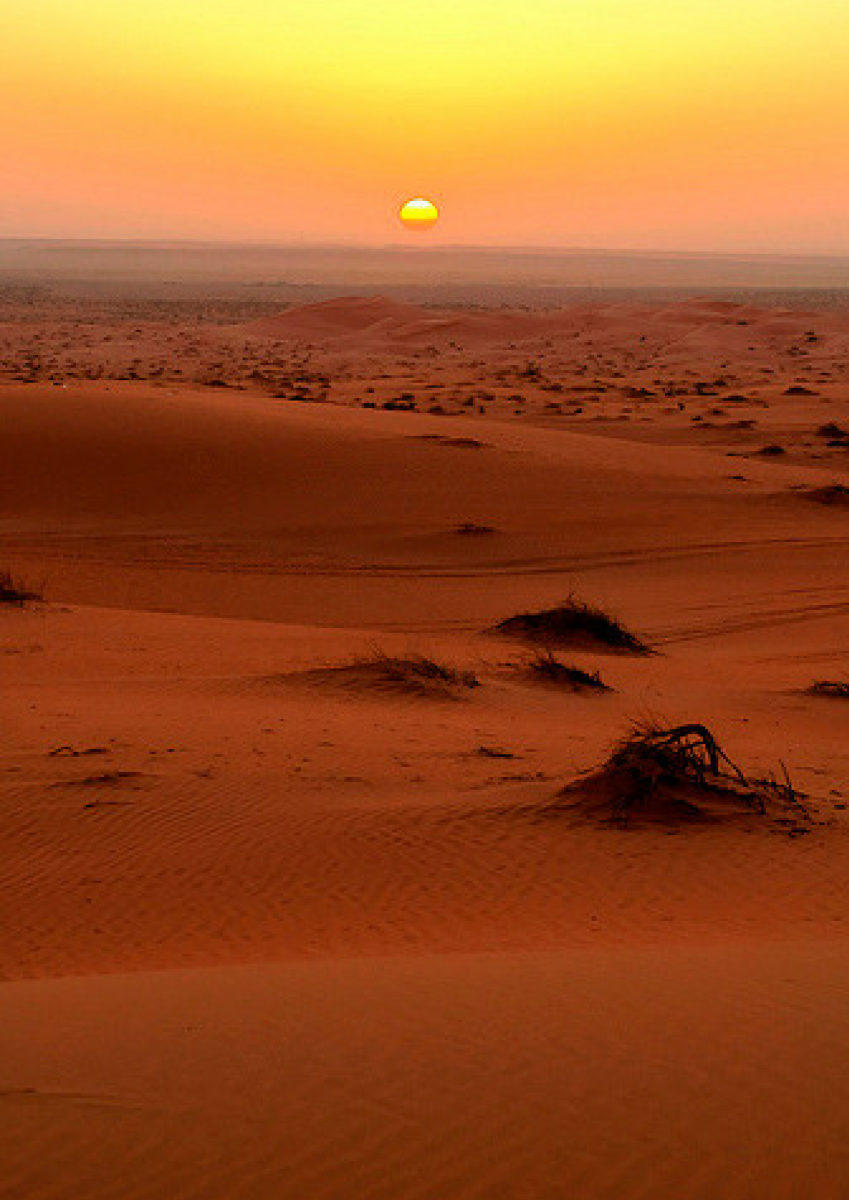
(378, 319)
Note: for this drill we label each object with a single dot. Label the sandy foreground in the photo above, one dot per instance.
(270, 930)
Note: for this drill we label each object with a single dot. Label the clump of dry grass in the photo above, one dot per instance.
(573, 623)
(681, 773)
(418, 671)
(834, 495)
(411, 675)
(15, 593)
(473, 529)
(833, 689)
(545, 667)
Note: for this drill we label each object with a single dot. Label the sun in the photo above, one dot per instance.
(419, 214)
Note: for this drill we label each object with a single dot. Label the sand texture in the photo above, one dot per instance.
(293, 900)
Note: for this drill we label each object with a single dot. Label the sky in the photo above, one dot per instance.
(645, 124)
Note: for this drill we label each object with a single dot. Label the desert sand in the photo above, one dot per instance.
(274, 926)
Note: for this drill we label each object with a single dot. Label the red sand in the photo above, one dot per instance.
(264, 936)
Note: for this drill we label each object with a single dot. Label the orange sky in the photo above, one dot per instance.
(697, 124)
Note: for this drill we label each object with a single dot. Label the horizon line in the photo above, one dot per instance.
(402, 247)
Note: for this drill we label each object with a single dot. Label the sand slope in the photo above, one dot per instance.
(596, 1074)
(269, 929)
(239, 506)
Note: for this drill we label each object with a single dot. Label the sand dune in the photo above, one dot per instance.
(378, 319)
(699, 1073)
(338, 318)
(206, 499)
(273, 927)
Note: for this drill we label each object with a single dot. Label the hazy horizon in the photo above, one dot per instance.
(419, 247)
(433, 274)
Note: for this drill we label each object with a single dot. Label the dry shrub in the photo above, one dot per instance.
(412, 675)
(677, 774)
(15, 593)
(546, 667)
(834, 495)
(473, 529)
(572, 623)
(833, 689)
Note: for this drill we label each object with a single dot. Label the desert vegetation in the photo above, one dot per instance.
(679, 773)
(831, 689)
(15, 593)
(545, 667)
(473, 529)
(572, 623)
(833, 495)
(415, 675)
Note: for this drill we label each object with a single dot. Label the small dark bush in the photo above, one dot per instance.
(470, 528)
(834, 495)
(414, 675)
(13, 592)
(681, 773)
(572, 623)
(546, 667)
(834, 689)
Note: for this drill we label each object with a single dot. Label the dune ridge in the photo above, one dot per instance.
(380, 319)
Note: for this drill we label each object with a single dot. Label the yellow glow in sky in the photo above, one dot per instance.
(653, 123)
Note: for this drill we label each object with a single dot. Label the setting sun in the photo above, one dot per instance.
(419, 214)
(423, 436)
